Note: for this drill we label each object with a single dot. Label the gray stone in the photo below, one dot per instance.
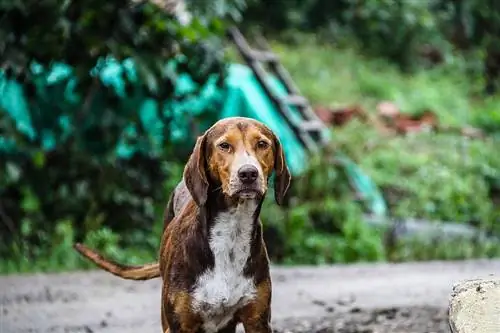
(475, 306)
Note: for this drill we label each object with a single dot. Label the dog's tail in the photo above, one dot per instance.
(144, 272)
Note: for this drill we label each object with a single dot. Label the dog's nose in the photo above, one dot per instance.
(248, 174)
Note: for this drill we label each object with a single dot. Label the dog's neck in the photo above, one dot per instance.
(232, 236)
(236, 224)
(242, 211)
(237, 214)
(218, 203)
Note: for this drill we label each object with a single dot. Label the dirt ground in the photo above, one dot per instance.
(375, 298)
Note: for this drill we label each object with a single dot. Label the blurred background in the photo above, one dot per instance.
(100, 104)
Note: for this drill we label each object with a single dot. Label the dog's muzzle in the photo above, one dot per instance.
(248, 184)
(248, 174)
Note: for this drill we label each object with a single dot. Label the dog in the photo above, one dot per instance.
(212, 259)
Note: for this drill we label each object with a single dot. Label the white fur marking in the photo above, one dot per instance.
(221, 291)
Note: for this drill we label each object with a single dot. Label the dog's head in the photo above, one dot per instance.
(236, 156)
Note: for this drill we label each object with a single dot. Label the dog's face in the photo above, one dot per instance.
(237, 155)
(241, 159)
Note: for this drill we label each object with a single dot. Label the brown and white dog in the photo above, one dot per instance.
(213, 260)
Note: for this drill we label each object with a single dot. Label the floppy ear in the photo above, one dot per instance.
(283, 177)
(195, 176)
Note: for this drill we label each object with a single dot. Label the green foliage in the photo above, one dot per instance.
(435, 177)
(324, 223)
(217, 8)
(82, 32)
(390, 28)
(339, 76)
(410, 33)
(80, 190)
(77, 187)
(396, 29)
(423, 249)
(442, 177)
(58, 254)
(488, 118)
(432, 176)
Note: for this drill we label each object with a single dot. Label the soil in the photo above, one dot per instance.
(362, 298)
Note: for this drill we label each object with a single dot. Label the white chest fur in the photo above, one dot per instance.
(221, 291)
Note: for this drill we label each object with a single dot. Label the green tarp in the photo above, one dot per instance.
(241, 96)
(57, 90)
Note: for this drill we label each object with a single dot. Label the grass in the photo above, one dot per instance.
(440, 177)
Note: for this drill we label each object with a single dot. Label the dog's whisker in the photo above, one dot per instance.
(217, 188)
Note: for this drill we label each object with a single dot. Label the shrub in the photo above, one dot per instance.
(433, 176)
(409, 33)
(65, 180)
(323, 223)
(436, 177)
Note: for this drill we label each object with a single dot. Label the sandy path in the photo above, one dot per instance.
(356, 298)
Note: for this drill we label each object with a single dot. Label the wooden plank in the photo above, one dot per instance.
(264, 56)
(253, 59)
(296, 100)
(247, 54)
(311, 125)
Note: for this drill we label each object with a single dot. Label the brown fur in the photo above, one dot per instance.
(205, 190)
(257, 315)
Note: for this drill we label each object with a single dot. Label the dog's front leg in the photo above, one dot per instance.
(177, 313)
(256, 316)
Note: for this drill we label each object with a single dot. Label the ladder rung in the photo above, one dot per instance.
(309, 130)
(295, 100)
(309, 142)
(264, 56)
(311, 125)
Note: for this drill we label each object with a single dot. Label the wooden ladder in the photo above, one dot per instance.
(305, 123)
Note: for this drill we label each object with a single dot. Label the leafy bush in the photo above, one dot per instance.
(80, 190)
(422, 249)
(323, 223)
(438, 177)
(65, 181)
(433, 176)
(394, 29)
(409, 33)
(408, 25)
(489, 117)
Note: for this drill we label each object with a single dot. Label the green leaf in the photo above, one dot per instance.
(39, 159)
(14, 172)
(30, 203)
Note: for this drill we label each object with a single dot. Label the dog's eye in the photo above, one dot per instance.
(224, 146)
(262, 144)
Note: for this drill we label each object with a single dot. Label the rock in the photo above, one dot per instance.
(475, 306)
